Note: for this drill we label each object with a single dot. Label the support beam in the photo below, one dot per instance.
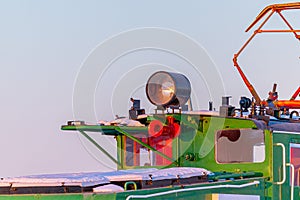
(99, 147)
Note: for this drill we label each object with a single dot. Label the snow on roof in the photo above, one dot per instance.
(131, 174)
(108, 189)
(290, 127)
(79, 179)
(178, 172)
(120, 122)
(102, 178)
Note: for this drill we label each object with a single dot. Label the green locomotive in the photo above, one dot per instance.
(249, 152)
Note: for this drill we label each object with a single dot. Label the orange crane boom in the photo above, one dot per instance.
(268, 12)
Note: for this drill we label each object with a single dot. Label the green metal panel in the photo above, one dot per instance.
(201, 143)
(197, 139)
(106, 130)
(189, 192)
(120, 154)
(200, 191)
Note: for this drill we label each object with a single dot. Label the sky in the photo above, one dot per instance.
(47, 48)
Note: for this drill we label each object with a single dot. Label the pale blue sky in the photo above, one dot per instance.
(44, 43)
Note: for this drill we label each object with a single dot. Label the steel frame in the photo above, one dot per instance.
(268, 12)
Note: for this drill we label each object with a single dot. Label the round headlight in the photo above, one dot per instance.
(168, 89)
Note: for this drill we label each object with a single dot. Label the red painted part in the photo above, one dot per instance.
(176, 130)
(155, 128)
(294, 104)
(171, 130)
(295, 160)
(295, 94)
(275, 8)
(161, 137)
(136, 158)
(173, 127)
(168, 151)
(170, 120)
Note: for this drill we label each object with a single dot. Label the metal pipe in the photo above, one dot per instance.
(295, 94)
(252, 36)
(288, 24)
(283, 164)
(292, 181)
(246, 81)
(294, 104)
(128, 183)
(192, 189)
(278, 31)
(274, 87)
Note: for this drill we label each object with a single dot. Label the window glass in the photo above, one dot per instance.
(137, 155)
(295, 160)
(146, 157)
(240, 145)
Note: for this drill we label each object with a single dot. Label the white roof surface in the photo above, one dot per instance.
(108, 189)
(102, 178)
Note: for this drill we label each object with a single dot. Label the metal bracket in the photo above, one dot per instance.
(99, 147)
